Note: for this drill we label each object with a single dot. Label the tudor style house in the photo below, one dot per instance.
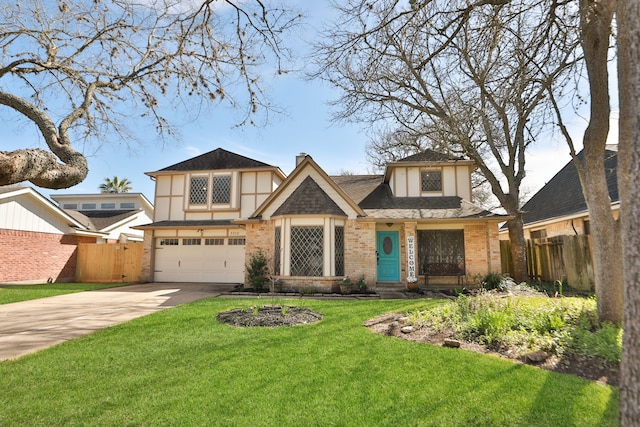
(415, 222)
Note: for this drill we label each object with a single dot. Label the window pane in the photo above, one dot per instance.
(88, 206)
(339, 234)
(237, 241)
(127, 205)
(191, 242)
(221, 190)
(214, 242)
(431, 181)
(441, 252)
(107, 205)
(70, 206)
(198, 190)
(168, 242)
(306, 251)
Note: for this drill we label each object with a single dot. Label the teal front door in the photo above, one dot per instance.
(388, 254)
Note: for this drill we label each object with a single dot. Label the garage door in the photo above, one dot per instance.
(216, 260)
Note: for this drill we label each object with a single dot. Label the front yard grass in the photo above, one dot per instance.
(17, 293)
(183, 367)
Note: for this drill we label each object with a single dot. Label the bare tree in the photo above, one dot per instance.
(476, 71)
(84, 69)
(595, 34)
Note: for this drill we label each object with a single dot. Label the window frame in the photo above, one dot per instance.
(422, 181)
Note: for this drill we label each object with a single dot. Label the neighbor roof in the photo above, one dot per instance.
(217, 159)
(358, 186)
(562, 195)
(101, 219)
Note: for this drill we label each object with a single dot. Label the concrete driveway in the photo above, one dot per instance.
(28, 326)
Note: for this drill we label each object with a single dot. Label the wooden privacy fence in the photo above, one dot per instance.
(556, 258)
(109, 262)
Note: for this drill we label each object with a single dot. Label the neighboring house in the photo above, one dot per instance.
(213, 212)
(38, 240)
(112, 213)
(559, 208)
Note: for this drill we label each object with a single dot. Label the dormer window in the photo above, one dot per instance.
(431, 180)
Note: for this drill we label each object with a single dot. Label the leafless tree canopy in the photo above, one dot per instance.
(87, 69)
(474, 74)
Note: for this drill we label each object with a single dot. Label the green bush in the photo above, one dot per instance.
(258, 270)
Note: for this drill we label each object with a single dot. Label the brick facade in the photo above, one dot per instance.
(38, 257)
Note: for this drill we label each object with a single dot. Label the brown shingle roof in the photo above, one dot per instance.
(562, 195)
(358, 186)
(430, 156)
(218, 159)
(309, 198)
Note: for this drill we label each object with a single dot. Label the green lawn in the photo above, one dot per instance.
(17, 293)
(181, 367)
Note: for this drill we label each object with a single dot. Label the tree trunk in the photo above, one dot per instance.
(595, 23)
(518, 248)
(628, 18)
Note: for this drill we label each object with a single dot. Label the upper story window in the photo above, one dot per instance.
(88, 206)
(127, 205)
(207, 190)
(70, 206)
(431, 180)
(221, 189)
(107, 205)
(198, 190)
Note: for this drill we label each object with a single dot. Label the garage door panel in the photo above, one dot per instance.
(220, 263)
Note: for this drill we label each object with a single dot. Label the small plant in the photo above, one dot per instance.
(362, 285)
(307, 290)
(285, 310)
(258, 270)
(558, 285)
(346, 280)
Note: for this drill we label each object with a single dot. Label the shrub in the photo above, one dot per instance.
(258, 270)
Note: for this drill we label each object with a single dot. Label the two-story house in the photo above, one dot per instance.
(114, 214)
(213, 212)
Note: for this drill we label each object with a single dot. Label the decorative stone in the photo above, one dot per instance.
(403, 320)
(406, 329)
(448, 342)
(537, 356)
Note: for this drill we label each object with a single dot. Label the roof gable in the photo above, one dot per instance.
(429, 155)
(309, 198)
(562, 195)
(311, 177)
(218, 159)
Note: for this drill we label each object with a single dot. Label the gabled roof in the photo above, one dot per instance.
(76, 226)
(358, 186)
(562, 195)
(309, 198)
(101, 220)
(304, 165)
(429, 155)
(218, 159)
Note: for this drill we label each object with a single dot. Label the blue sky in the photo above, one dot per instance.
(305, 127)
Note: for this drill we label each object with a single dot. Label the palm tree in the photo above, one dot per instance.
(115, 185)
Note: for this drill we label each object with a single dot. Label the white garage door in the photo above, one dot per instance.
(216, 260)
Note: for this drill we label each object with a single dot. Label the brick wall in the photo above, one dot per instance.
(360, 250)
(26, 256)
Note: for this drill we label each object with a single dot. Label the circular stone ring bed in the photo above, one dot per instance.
(269, 315)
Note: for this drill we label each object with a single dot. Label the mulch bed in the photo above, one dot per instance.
(591, 368)
(270, 316)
